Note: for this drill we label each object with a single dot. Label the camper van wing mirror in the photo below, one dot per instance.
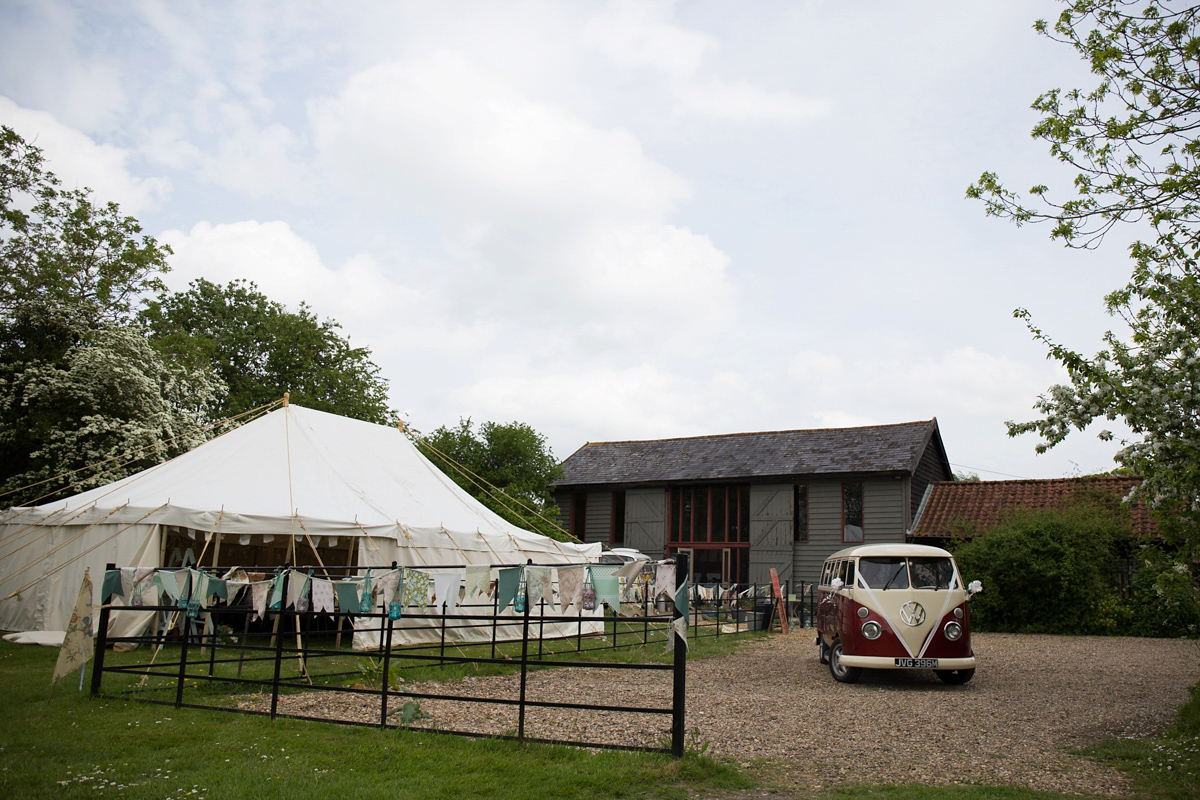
(974, 588)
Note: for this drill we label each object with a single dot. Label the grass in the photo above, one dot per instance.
(1167, 768)
(75, 747)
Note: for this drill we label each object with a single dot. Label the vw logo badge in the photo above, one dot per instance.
(913, 613)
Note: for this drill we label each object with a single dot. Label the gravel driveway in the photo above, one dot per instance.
(773, 706)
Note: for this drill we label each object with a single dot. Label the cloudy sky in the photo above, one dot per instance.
(609, 220)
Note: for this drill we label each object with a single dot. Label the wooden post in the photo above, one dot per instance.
(101, 641)
(679, 682)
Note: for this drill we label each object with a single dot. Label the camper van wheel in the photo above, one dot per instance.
(823, 651)
(955, 676)
(841, 673)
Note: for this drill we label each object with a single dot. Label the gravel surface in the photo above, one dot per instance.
(773, 706)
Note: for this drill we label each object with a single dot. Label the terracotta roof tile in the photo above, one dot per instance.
(955, 509)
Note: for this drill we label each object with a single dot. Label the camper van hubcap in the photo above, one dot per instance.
(912, 613)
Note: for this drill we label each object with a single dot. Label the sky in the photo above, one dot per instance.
(608, 220)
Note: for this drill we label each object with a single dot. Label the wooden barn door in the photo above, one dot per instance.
(646, 520)
(770, 532)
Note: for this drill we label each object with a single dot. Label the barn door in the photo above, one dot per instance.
(646, 520)
(770, 532)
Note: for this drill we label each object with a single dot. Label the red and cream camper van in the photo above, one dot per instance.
(894, 606)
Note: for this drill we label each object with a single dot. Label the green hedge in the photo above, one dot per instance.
(1051, 571)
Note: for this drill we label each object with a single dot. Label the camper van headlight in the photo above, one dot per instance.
(871, 629)
(953, 631)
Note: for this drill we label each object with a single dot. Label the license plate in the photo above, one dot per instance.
(917, 663)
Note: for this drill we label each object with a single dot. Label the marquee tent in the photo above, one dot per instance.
(294, 477)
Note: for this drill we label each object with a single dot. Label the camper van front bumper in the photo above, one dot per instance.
(887, 662)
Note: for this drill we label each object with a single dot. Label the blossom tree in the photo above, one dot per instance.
(1132, 146)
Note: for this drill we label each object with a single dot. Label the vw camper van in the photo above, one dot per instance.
(894, 606)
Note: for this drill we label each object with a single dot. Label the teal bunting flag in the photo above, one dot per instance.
(682, 596)
(347, 596)
(508, 582)
(608, 590)
(276, 594)
(112, 585)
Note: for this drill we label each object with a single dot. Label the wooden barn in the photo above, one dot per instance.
(745, 502)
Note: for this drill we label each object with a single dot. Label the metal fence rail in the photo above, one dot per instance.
(208, 656)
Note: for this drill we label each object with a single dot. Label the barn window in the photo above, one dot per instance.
(800, 513)
(852, 512)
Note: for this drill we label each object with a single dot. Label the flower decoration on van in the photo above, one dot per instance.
(974, 588)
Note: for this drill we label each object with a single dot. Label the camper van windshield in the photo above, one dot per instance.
(931, 573)
(883, 573)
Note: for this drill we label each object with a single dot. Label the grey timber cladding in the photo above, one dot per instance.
(933, 467)
(599, 517)
(828, 451)
(824, 530)
(884, 501)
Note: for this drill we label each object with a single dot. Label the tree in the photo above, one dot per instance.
(1131, 143)
(261, 350)
(512, 458)
(113, 402)
(77, 384)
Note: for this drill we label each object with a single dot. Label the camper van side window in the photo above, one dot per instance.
(849, 575)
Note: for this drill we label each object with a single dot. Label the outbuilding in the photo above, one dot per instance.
(743, 503)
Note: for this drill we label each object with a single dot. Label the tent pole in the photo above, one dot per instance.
(351, 546)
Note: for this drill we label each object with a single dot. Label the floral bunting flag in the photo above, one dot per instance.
(416, 588)
(538, 585)
(570, 587)
(476, 579)
(77, 644)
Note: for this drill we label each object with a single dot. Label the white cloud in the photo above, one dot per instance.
(634, 35)
(47, 59)
(740, 101)
(553, 219)
(602, 402)
(372, 306)
(79, 161)
(641, 35)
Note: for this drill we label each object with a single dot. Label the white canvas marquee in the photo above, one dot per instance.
(294, 472)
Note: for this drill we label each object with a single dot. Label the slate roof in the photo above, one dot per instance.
(956, 509)
(740, 456)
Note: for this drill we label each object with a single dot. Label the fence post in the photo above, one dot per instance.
(279, 644)
(679, 683)
(495, 618)
(387, 666)
(442, 649)
(101, 641)
(524, 668)
(541, 625)
(183, 654)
